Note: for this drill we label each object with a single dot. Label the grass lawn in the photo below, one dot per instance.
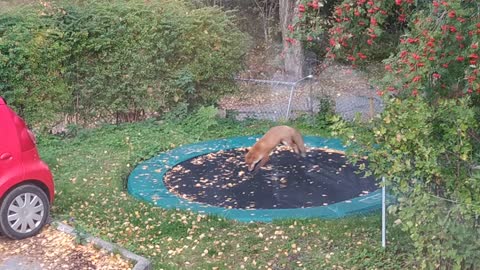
(90, 171)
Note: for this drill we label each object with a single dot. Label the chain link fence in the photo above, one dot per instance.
(277, 99)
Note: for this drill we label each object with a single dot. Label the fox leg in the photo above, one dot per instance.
(295, 148)
(287, 142)
(299, 145)
(263, 162)
(292, 144)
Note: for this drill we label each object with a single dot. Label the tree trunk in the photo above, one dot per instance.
(293, 52)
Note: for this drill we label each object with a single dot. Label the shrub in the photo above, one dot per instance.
(430, 160)
(119, 60)
(364, 30)
(438, 57)
(426, 142)
(31, 55)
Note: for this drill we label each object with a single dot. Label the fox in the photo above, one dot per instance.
(259, 153)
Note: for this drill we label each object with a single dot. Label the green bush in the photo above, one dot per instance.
(426, 142)
(31, 57)
(116, 60)
(429, 156)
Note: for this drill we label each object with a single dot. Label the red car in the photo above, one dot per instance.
(26, 183)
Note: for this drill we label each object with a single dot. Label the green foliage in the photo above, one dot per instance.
(322, 119)
(103, 60)
(426, 143)
(364, 30)
(438, 56)
(31, 56)
(427, 152)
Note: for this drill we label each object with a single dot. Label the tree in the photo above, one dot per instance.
(267, 10)
(293, 48)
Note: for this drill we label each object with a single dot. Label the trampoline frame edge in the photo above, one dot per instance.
(151, 172)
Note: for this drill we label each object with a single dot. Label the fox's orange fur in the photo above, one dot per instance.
(258, 155)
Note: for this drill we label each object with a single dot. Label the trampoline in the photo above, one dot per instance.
(211, 178)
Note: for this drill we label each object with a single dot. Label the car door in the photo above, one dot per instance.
(11, 168)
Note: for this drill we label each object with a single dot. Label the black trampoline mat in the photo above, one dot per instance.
(287, 181)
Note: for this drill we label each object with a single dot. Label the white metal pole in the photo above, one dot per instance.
(384, 215)
(294, 84)
(290, 101)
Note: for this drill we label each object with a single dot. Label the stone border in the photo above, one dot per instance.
(141, 263)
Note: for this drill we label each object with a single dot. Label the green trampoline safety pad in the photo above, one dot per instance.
(146, 182)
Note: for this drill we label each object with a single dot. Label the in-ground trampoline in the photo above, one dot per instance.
(211, 178)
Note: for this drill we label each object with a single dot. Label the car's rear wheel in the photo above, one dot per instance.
(24, 211)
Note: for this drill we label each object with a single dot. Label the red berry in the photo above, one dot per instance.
(301, 8)
(412, 40)
(416, 56)
(361, 55)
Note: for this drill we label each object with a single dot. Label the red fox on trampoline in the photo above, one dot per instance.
(259, 153)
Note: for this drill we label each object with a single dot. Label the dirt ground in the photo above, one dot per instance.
(53, 250)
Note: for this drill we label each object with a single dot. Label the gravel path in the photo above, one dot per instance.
(54, 250)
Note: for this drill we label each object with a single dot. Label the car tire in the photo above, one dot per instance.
(23, 211)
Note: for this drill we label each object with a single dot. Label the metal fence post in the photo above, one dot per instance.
(294, 84)
(290, 101)
(384, 215)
